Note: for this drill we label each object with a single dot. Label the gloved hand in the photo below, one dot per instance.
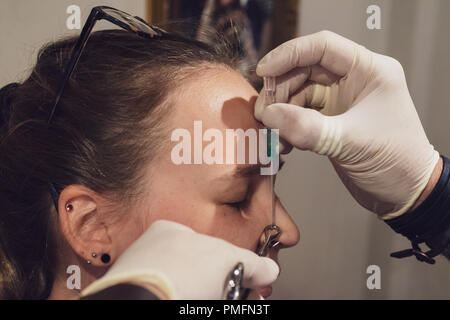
(339, 99)
(175, 262)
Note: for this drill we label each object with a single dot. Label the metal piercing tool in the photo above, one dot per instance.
(272, 232)
(234, 289)
(234, 283)
(269, 98)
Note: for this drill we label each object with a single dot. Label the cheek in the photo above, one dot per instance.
(126, 232)
(191, 202)
(175, 209)
(206, 218)
(231, 226)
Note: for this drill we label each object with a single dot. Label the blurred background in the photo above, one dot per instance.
(339, 239)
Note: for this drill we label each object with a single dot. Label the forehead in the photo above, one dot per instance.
(221, 98)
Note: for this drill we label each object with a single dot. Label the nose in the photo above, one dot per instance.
(262, 209)
(290, 234)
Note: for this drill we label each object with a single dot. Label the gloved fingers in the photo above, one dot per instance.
(286, 85)
(301, 127)
(159, 229)
(294, 87)
(297, 77)
(260, 104)
(290, 82)
(322, 76)
(313, 95)
(165, 226)
(330, 50)
(284, 146)
(258, 271)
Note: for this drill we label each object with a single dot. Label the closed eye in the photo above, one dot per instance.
(242, 201)
(237, 205)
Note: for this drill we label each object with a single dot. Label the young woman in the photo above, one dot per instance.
(109, 147)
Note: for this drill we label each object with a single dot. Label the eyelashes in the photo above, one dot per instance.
(244, 202)
(237, 205)
(240, 204)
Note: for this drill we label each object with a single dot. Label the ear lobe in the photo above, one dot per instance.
(82, 225)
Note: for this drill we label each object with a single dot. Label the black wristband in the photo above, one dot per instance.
(429, 222)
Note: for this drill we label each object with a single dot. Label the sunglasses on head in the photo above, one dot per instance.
(122, 19)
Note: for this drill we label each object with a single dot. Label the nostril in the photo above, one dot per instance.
(271, 236)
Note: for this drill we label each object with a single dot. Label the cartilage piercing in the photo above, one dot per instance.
(69, 207)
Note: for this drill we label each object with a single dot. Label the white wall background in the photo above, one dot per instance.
(339, 239)
(27, 24)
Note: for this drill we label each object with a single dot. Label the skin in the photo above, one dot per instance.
(200, 196)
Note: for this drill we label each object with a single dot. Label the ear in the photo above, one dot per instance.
(81, 212)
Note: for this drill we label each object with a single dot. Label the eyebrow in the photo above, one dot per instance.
(250, 170)
(246, 171)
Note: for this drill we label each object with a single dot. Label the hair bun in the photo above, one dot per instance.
(5, 101)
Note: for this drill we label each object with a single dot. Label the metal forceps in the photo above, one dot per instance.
(234, 283)
(234, 289)
(272, 233)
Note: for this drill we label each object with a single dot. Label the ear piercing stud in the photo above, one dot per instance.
(105, 258)
(69, 207)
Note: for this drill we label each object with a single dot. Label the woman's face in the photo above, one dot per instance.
(228, 201)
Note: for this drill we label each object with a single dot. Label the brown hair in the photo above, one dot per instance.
(107, 127)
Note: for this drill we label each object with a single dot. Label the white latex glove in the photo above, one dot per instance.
(367, 124)
(175, 262)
